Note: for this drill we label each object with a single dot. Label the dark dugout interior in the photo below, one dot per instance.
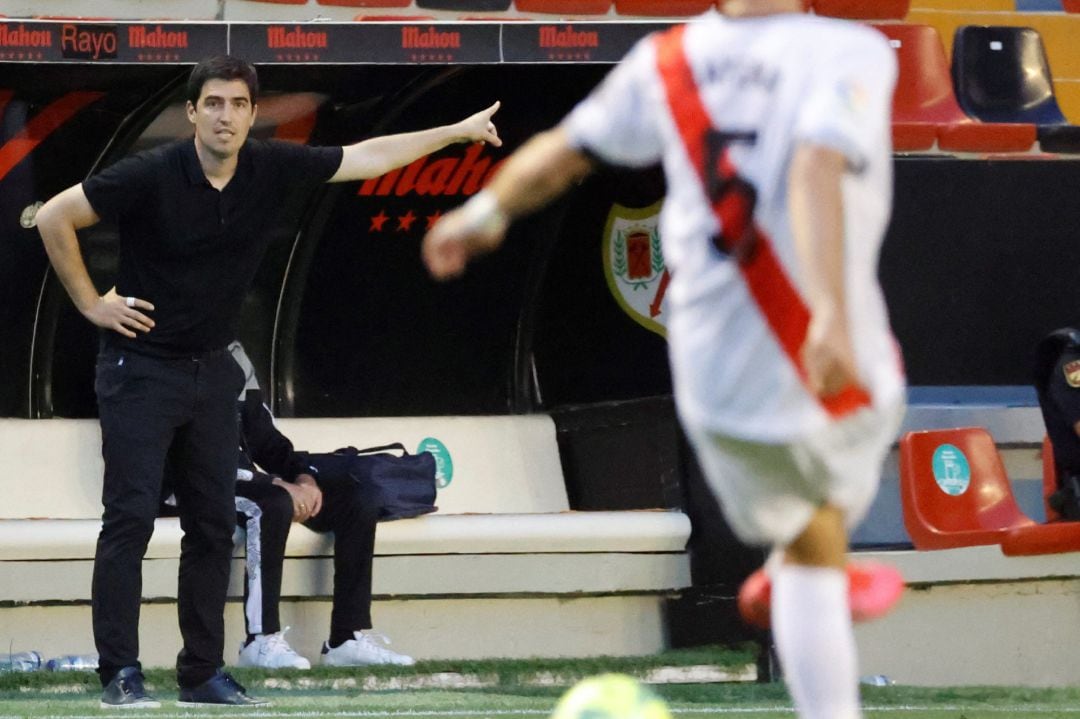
(980, 260)
(343, 318)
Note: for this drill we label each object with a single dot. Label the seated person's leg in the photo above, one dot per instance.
(265, 512)
(351, 513)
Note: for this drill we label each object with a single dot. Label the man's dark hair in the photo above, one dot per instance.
(222, 67)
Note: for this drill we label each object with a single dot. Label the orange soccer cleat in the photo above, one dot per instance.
(873, 590)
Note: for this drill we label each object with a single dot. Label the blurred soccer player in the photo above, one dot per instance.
(773, 129)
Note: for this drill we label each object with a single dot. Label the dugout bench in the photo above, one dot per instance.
(503, 569)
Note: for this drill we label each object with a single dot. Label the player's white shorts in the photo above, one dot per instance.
(768, 492)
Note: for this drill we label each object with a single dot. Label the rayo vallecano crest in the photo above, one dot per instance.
(634, 266)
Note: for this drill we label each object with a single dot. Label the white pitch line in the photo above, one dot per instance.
(154, 714)
(386, 714)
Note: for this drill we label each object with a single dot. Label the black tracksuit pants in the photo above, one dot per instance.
(348, 511)
(151, 408)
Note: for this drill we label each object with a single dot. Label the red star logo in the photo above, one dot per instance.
(378, 221)
(432, 219)
(404, 222)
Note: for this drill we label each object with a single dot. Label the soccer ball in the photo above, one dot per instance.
(610, 696)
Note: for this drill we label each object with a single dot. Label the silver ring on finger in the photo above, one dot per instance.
(129, 301)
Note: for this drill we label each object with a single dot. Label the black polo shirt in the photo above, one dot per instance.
(190, 249)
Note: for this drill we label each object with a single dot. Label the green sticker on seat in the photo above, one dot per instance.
(951, 470)
(444, 464)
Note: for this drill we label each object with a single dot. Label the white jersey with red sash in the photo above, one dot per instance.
(723, 103)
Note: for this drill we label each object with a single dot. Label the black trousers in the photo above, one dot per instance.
(265, 511)
(348, 511)
(185, 409)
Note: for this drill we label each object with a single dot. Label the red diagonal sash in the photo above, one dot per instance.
(43, 124)
(780, 303)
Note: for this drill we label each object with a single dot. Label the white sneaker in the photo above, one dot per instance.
(271, 651)
(367, 648)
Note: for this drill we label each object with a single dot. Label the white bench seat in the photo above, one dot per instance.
(503, 557)
(570, 552)
(558, 533)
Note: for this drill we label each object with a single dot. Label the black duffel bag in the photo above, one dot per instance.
(404, 484)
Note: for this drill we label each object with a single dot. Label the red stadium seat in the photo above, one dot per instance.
(913, 136)
(569, 7)
(394, 18)
(662, 7)
(466, 5)
(1052, 538)
(971, 136)
(863, 9)
(367, 3)
(954, 491)
(1055, 538)
(924, 100)
(1049, 479)
(1071, 5)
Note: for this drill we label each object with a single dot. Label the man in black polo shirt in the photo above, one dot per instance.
(194, 218)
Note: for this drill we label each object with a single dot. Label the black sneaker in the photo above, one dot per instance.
(126, 691)
(219, 690)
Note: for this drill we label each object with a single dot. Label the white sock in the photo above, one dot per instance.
(811, 624)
